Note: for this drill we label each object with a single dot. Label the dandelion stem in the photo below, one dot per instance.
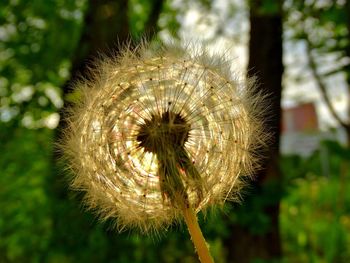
(196, 235)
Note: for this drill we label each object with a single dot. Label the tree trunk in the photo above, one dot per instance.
(255, 234)
(106, 30)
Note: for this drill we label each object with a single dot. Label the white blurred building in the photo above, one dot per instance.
(300, 133)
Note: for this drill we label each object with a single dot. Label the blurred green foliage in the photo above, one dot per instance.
(41, 221)
(37, 42)
(25, 222)
(315, 213)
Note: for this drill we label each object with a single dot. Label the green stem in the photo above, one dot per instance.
(171, 159)
(196, 235)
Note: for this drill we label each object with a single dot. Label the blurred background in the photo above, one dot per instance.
(297, 209)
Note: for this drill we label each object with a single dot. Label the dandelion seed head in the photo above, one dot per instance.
(155, 128)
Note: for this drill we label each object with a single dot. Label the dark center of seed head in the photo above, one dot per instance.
(170, 130)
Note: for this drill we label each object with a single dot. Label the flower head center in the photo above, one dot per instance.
(169, 130)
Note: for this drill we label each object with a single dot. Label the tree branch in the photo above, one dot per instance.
(320, 83)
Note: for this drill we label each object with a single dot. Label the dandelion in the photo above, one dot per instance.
(160, 136)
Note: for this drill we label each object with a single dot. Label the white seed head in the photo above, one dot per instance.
(153, 129)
